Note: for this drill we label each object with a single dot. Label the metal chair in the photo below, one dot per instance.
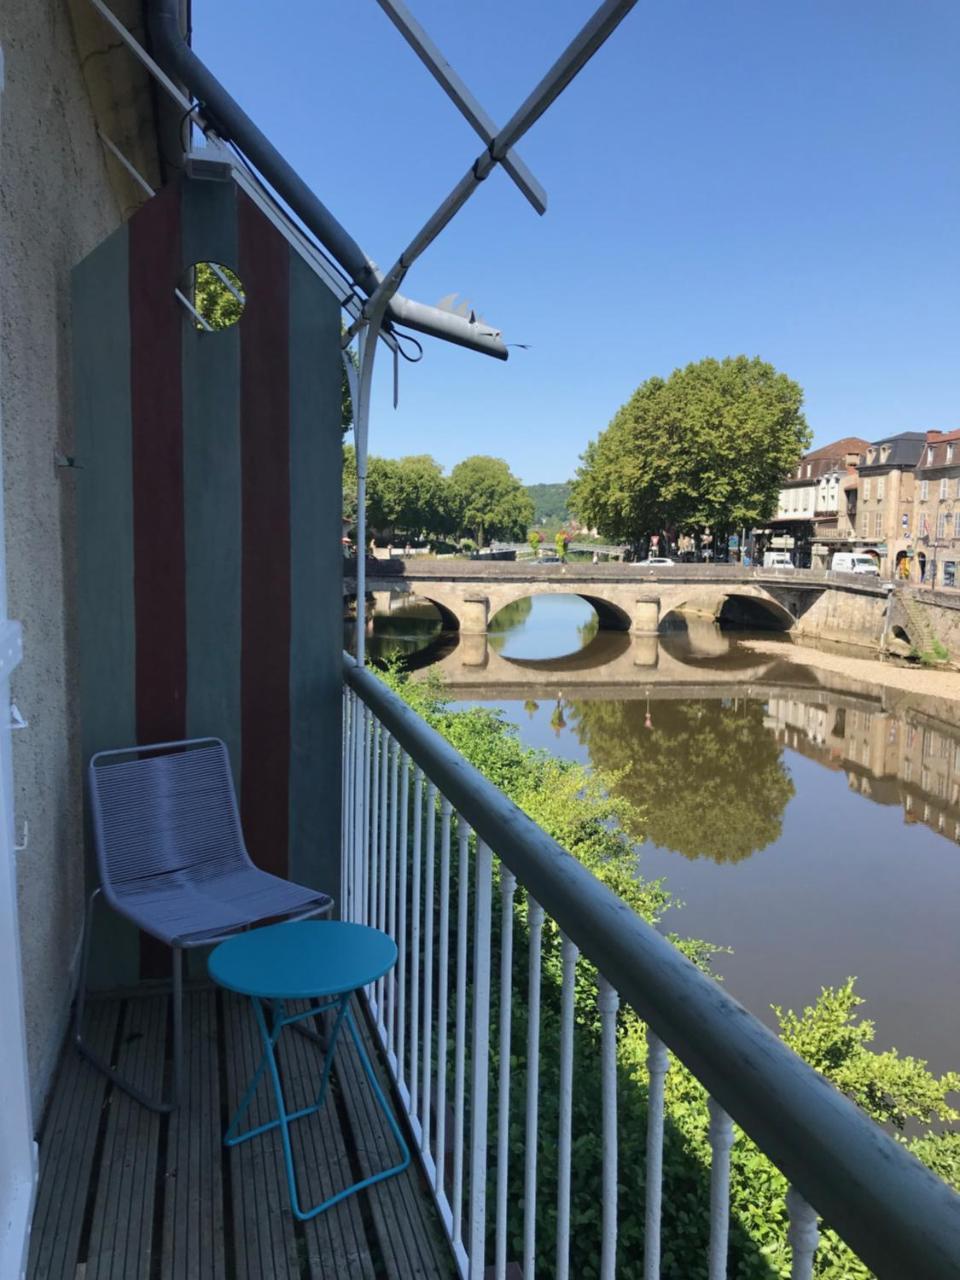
(172, 859)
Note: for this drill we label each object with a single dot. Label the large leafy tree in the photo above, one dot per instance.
(709, 445)
(407, 496)
(488, 500)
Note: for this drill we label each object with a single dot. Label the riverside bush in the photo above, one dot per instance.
(578, 808)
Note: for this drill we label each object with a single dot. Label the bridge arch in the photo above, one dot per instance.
(449, 620)
(748, 607)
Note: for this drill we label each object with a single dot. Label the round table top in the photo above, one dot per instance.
(302, 960)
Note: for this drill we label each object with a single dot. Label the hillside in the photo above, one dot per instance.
(550, 502)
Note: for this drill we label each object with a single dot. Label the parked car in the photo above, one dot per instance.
(548, 560)
(777, 560)
(654, 560)
(853, 562)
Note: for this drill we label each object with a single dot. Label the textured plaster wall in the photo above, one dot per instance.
(55, 206)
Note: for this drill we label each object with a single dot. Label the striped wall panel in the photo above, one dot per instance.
(209, 519)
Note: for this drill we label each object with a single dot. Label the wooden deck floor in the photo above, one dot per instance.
(125, 1194)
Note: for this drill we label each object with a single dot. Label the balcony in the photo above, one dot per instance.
(519, 978)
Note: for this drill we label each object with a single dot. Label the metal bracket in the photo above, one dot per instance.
(67, 461)
(16, 719)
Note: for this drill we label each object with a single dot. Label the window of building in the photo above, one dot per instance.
(941, 526)
(877, 524)
(950, 573)
(929, 457)
(924, 490)
(864, 526)
(949, 453)
(958, 488)
(866, 489)
(943, 488)
(881, 486)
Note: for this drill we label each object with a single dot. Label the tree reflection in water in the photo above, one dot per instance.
(707, 776)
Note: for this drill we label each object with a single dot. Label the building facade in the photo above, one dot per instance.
(936, 516)
(885, 494)
(809, 516)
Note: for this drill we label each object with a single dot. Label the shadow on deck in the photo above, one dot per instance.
(127, 1194)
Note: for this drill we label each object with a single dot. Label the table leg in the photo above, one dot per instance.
(284, 1119)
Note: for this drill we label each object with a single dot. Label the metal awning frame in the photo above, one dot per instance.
(604, 21)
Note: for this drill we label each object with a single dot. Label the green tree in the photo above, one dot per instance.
(709, 445)
(422, 496)
(488, 499)
(550, 502)
(681, 760)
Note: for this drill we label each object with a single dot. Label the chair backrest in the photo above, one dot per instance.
(164, 809)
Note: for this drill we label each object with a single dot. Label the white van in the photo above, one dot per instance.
(777, 560)
(854, 562)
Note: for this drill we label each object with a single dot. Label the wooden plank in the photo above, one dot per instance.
(336, 1242)
(193, 1218)
(409, 1233)
(264, 1241)
(121, 1234)
(67, 1146)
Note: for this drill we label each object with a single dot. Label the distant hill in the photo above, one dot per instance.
(550, 502)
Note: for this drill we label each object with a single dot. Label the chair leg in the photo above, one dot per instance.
(161, 1105)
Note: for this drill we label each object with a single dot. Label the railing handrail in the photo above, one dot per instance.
(892, 1211)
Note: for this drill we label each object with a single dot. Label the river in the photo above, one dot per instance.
(809, 822)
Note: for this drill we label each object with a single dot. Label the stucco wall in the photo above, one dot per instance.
(55, 205)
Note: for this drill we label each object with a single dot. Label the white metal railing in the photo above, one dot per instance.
(481, 901)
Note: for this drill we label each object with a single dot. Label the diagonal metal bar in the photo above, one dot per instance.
(458, 93)
(580, 50)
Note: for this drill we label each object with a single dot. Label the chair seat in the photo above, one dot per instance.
(184, 909)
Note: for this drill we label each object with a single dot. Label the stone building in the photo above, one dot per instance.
(885, 493)
(936, 517)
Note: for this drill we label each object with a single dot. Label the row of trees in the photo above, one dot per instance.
(708, 446)
(412, 498)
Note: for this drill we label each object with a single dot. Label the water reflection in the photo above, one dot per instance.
(707, 776)
(806, 820)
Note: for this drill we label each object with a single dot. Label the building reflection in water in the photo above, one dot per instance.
(910, 759)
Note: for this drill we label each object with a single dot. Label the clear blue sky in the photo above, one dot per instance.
(770, 178)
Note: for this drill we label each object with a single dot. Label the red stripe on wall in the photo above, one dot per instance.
(159, 557)
(158, 532)
(265, 572)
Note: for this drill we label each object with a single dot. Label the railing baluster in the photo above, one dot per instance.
(426, 1073)
(569, 953)
(370, 903)
(721, 1140)
(415, 910)
(443, 996)
(658, 1062)
(460, 1034)
(531, 1137)
(380, 894)
(392, 891)
(402, 922)
(363, 849)
(608, 1002)
(508, 885)
(480, 1074)
(803, 1234)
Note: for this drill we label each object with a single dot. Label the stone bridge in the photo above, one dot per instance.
(636, 599)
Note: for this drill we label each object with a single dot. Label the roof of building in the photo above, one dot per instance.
(904, 450)
(938, 450)
(849, 444)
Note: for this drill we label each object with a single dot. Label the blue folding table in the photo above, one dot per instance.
(323, 962)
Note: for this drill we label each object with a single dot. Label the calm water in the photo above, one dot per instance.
(810, 823)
